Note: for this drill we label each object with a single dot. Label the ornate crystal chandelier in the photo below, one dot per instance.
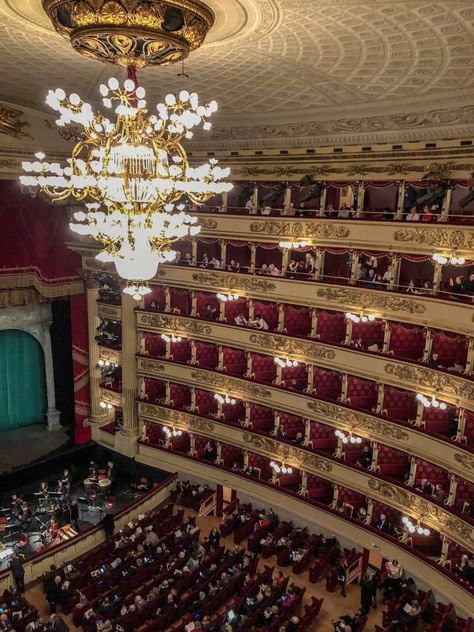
(131, 173)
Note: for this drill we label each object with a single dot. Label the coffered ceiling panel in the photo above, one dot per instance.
(324, 67)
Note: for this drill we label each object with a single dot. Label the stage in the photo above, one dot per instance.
(22, 446)
(32, 535)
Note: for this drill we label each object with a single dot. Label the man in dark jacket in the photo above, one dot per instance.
(18, 572)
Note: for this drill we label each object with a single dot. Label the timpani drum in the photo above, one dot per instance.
(88, 484)
(104, 486)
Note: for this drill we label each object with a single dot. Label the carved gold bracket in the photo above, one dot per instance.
(11, 123)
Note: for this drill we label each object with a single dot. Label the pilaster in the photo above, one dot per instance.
(129, 367)
(97, 414)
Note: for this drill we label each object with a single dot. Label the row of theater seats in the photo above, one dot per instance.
(144, 580)
(388, 402)
(346, 503)
(406, 341)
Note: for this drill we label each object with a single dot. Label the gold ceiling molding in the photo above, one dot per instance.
(229, 385)
(235, 282)
(428, 512)
(436, 237)
(174, 323)
(434, 382)
(293, 346)
(371, 300)
(11, 123)
(71, 132)
(300, 230)
(132, 32)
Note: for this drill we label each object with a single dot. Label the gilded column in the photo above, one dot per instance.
(446, 202)
(193, 303)
(309, 388)
(281, 317)
(285, 259)
(219, 452)
(192, 405)
(287, 197)
(248, 357)
(167, 394)
(461, 431)
(247, 421)
(438, 271)
(453, 487)
(314, 323)
(307, 432)
(323, 199)
(220, 358)
(370, 509)
(380, 397)
(395, 273)
(386, 337)
(319, 267)
(129, 366)
(428, 345)
(354, 267)
(348, 336)
(251, 309)
(223, 245)
(192, 444)
(400, 199)
(254, 200)
(343, 397)
(194, 252)
(167, 300)
(97, 414)
(470, 357)
(419, 415)
(360, 199)
(224, 202)
(193, 352)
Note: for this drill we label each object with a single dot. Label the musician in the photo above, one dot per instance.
(24, 515)
(66, 480)
(15, 503)
(43, 488)
(93, 470)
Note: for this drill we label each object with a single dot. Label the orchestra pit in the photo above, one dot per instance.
(237, 315)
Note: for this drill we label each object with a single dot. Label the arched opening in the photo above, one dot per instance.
(23, 399)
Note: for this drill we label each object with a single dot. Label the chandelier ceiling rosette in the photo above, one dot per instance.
(130, 171)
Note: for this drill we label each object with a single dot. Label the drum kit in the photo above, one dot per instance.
(96, 488)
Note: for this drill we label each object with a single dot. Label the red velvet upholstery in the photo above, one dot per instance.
(399, 404)
(322, 437)
(296, 321)
(352, 451)
(327, 384)
(180, 396)
(298, 373)
(235, 361)
(269, 312)
(436, 420)
(407, 342)
(261, 462)
(182, 443)
(464, 493)
(234, 308)
(469, 427)
(200, 443)
(319, 489)
(231, 456)
(205, 402)
(290, 481)
(261, 417)
(392, 463)
(154, 432)
(181, 351)
(158, 294)
(331, 326)
(155, 346)
(207, 355)
(155, 390)
(433, 473)
(451, 349)
(371, 333)
(350, 496)
(270, 253)
(203, 299)
(234, 413)
(361, 393)
(291, 425)
(180, 301)
(263, 368)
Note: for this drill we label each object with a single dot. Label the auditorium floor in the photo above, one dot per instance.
(333, 606)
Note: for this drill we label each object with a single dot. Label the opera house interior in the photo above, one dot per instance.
(236, 315)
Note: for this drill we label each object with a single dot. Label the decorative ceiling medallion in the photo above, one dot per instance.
(11, 123)
(132, 32)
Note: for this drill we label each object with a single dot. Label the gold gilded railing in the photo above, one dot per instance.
(404, 438)
(450, 388)
(387, 236)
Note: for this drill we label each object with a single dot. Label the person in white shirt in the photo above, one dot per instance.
(249, 205)
(215, 263)
(289, 209)
(412, 215)
(343, 211)
(259, 323)
(273, 270)
(266, 210)
(240, 320)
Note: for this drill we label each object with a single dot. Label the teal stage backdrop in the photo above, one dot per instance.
(22, 380)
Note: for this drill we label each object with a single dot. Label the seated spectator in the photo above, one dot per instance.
(469, 284)
(273, 270)
(365, 457)
(292, 268)
(457, 285)
(293, 625)
(298, 385)
(209, 452)
(426, 214)
(362, 514)
(359, 344)
(387, 275)
(299, 439)
(241, 320)
(439, 494)
(410, 612)
(384, 524)
(265, 209)
(468, 572)
(187, 261)
(259, 323)
(370, 277)
(234, 266)
(387, 213)
(413, 215)
(343, 212)
(152, 539)
(263, 269)
(153, 305)
(210, 313)
(205, 263)
(215, 263)
(425, 487)
(434, 361)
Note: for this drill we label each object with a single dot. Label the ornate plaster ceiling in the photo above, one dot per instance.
(286, 71)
